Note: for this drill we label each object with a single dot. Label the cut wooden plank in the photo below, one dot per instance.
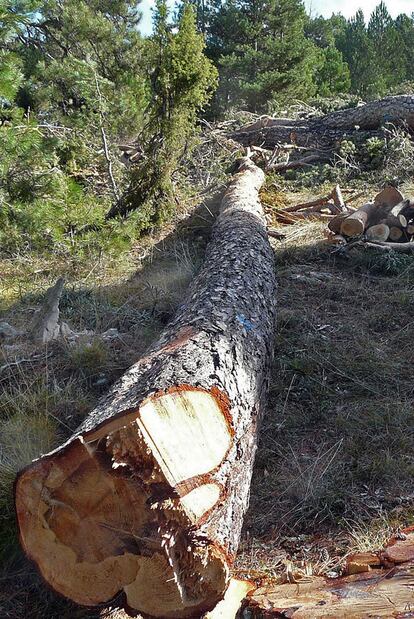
(146, 500)
(229, 606)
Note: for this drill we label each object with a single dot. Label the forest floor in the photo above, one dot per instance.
(335, 466)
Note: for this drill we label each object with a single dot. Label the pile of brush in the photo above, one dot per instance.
(386, 222)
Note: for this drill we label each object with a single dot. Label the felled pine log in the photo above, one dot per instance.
(147, 498)
(355, 123)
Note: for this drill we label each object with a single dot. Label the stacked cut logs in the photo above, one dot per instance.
(386, 221)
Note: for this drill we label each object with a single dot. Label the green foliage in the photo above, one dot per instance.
(267, 56)
(375, 149)
(88, 358)
(182, 82)
(10, 77)
(333, 75)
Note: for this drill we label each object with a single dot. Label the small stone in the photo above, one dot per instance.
(110, 334)
(7, 332)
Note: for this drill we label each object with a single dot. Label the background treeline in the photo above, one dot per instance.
(271, 51)
(77, 81)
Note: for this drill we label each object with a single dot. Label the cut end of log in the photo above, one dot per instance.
(114, 510)
(379, 232)
(395, 234)
(389, 196)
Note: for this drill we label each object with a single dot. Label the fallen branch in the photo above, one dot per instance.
(276, 234)
(304, 205)
(338, 199)
(405, 248)
(291, 165)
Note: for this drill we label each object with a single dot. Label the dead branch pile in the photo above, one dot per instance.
(329, 208)
(286, 143)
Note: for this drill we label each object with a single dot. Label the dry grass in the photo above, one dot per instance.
(335, 467)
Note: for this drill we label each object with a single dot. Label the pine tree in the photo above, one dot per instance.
(387, 45)
(205, 11)
(77, 65)
(405, 28)
(358, 52)
(82, 61)
(182, 82)
(333, 76)
(271, 57)
(324, 32)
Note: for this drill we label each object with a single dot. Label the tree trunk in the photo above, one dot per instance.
(356, 124)
(398, 109)
(148, 497)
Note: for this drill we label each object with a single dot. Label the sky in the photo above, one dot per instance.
(315, 7)
(350, 7)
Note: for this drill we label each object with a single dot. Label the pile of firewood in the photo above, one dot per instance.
(385, 222)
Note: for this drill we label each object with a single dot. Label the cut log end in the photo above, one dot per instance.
(76, 521)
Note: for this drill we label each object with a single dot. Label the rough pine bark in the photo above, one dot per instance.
(356, 124)
(147, 499)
